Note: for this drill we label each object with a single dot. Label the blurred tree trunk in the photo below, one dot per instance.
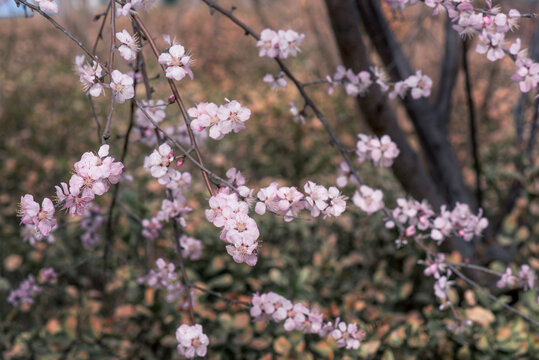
(435, 174)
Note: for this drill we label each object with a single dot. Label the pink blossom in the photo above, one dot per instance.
(232, 115)
(90, 76)
(48, 6)
(31, 235)
(268, 43)
(527, 73)
(166, 278)
(223, 206)
(47, 275)
(191, 247)
(491, 44)
(122, 86)
(345, 176)
(419, 84)
(241, 225)
(159, 161)
(507, 279)
(436, 267)
(317, 196)
(442, 287)
(150, 228)
(276, 82)
(192, 341)
(381, 151)
(527, 275)
(42, 218)
(348, 336)
(25, 293)
(296, 317)
(289, 42)
(242, 249)
(381, 78)
(268, 199)
(91, 223)
(177, 63)
(337, 203)
(129, 47)
(298, 115)
(353, 84)
(368, 200)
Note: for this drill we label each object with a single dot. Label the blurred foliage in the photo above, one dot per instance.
(348, 266)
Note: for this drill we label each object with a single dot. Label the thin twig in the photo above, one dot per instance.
(100, 33)
(106, 131)
(178, 99)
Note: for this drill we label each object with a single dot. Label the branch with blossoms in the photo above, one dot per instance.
(460, 222)
(232, 203)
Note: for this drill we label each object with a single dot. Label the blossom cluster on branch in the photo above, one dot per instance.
(310, 320)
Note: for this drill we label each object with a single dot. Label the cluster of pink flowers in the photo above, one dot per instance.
(527, 72)
(158, 163)
(151, 228)
(175, 209)
(176, 61)
(280, 43)
(460, 221)
(298, 115)
(345, 176)
(93, 175)
(353, 84)
(240, 231)
(40, 219)
(191, 247)
(420, 85)
(220, 120)
(357, 84)
(414, 216)
(192, 341)
(121, 86)
(382, 151)
(29, 288)
(526, 275)
(31, 234)
(90, 75)
(276, 82)
(129, 47)
(166, 278)
(490, 25)
(298, 316)
(319, 200)
(91, 223)
(288, 201)
(438, 268)
(25, 293)
(368, 200)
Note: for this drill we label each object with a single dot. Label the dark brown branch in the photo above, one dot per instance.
(473, 125)
(448, 74)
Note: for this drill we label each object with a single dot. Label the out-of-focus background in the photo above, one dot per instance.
(349, 266)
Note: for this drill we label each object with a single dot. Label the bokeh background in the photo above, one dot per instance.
(349, 266)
